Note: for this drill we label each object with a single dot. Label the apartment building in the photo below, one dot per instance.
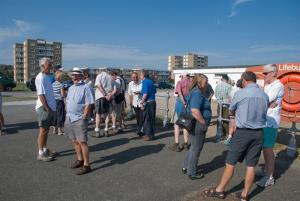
(175, 62)
(18, 62)
(189, 60)
(31, 51)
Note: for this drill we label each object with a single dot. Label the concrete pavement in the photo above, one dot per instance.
(124, 168)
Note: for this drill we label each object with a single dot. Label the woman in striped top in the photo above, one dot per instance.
(59, 95)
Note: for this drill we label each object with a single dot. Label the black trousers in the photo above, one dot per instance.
(149, 114)
(139, 118)
(60, 115)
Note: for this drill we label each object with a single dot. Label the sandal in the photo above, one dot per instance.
(214, 194)
(240, 197)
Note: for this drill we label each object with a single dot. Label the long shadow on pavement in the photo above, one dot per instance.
(15, 128)
(129, 155)
(99, 146)
(216, 163)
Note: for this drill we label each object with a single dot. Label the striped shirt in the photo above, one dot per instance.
(57, 86)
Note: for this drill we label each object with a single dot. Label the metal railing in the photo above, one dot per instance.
(221, 119)
(165, 107)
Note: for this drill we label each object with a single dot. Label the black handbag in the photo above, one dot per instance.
(186, 121)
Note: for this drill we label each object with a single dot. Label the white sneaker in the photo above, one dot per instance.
(266, 181)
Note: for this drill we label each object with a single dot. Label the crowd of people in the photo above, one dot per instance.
(254, 117)
(69, 111)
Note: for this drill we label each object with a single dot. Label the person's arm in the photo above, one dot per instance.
(44, 102)
(198, 116)
(196, 100)
(89, 100)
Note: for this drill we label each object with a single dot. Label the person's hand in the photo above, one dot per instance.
(185, 105)
(273, 105)
(108, 97)
(142, 106)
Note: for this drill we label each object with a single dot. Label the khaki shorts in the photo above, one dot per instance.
(45, 118)
(77, 130)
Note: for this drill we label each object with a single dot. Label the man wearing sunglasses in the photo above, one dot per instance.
(275, 90)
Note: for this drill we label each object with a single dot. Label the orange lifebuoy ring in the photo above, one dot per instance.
(290, 107)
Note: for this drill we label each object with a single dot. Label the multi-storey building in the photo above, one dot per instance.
(175, 62)
(195, 61)
(18, 62)
(31, 51)
(187, 61)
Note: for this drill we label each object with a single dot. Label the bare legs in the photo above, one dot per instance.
(82, 152)
(227, 175)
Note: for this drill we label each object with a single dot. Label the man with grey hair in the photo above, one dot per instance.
(45, 108)
(275, 90)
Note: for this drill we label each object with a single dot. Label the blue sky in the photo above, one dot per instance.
(142, 33)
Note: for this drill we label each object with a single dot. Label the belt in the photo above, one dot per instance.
(250, 129)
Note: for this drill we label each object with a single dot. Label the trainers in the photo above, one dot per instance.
(227, 141)
(76, 164)
(175, 147)
(51, 154)
(261, 172)
(96, 134)
(84, 169)
(43, 157)
(61, 133)
(198, 175)
(266, 181)
(185, 146)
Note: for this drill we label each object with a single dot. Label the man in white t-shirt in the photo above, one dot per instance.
(103, 98)
(134, 90)
(45, 108)
(275, 90)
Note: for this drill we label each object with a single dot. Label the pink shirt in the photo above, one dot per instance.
(183, 86)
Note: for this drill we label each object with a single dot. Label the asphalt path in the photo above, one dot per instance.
(124, 167)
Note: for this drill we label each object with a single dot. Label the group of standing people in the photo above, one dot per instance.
(254, 115)
(70, 110)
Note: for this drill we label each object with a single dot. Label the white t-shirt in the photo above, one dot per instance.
(133, 87)
(106, 81)
(275, 91)
(44, 87)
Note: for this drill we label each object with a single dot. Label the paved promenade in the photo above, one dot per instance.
(124, 168)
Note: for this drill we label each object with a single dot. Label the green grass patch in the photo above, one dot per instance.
(8, 98)
(21, 87)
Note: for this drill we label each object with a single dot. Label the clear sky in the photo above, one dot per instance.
(142, 33)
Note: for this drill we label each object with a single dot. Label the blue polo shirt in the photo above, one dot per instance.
(149, 89)
(198, 101)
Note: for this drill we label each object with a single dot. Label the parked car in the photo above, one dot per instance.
(8, 84)
(164, 85)
(31, 84)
